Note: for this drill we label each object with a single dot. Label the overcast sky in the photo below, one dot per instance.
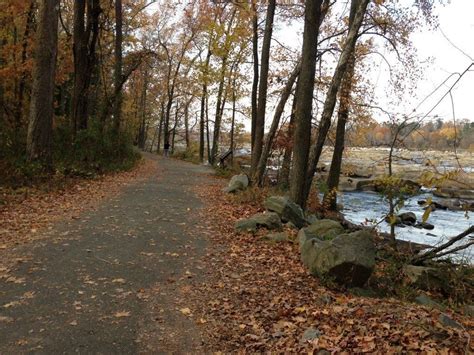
(456, 21)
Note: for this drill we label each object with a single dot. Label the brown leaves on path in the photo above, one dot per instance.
(26, 213)
(259, 298)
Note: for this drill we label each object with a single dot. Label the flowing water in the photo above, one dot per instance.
(369, 208)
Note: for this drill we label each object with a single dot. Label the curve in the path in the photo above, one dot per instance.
(107, 282)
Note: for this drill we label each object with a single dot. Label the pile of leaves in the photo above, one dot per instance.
(26, 212)
(259, 298)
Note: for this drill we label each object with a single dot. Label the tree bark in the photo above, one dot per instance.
(143, 111)
(284, 176)
(262, 87)
(84, 41)
(360, 8)
(330, 197)
(203, 104)
(304, 99)
(255, 69)
(22, 84)
(118, 66)
(160, 126)
(262, 164)
(218, 117)
(39, 139)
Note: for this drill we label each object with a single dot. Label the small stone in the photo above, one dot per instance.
(448, 321)
(427, 301)
(310, 334)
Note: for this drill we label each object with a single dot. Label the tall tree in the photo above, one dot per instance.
(330, 197)
(304, 100)
(359, 9)
(41, 107)
(255, 69)
(285, 94)
(262, 87)
(118, 65)
(85, 35)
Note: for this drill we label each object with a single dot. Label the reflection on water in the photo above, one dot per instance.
(369, 208)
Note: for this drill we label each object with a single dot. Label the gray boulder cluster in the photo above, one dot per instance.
(409, 219)
(326, 248)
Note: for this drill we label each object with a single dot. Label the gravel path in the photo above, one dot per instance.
(113, 280)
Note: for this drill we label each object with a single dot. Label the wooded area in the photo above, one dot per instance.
(284, 96)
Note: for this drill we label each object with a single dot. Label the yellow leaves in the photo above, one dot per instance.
(122, 314)
(428, 210)
(119, 281)
(186, 311)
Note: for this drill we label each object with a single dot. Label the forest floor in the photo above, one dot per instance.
(148, 261)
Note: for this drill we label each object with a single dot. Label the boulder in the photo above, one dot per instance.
(426, 301)
(408, 218)
(324, 229)
(348, 258)
(277, 237)
(425, 278)
(452, 192)
(448, 321)
(286, 209)
(424, 225)
(269, 220)
(408, 186)
(237, 183)
(245, 226)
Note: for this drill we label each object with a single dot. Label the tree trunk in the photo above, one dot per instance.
(186, 123)
(218, 117)
(304, 100)
(118, 66)
(84, 41)
(284, 176)
(39, 145)
(207, 131)
(160, 126)
(330, 197)
(142, 131)
(262, 164)
(232, 125)
(255, 69)
(263, 86)
(203, 104)
(22, 84)
(360, 7)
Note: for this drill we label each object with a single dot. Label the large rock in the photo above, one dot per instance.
(269, 220)
(245, 226)
(408, 186)
(237, 183)
(286, 209)
(348, 258)
(452, 192)
(408, 218)
(426, 278)
(324, 229)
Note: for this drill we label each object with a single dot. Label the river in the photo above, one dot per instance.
(368, 208)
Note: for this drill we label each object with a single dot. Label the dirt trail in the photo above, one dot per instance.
(113, 280)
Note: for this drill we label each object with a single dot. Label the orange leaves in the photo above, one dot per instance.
(262, 300)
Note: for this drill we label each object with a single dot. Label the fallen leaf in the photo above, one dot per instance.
(122, 314)
(186, 311)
